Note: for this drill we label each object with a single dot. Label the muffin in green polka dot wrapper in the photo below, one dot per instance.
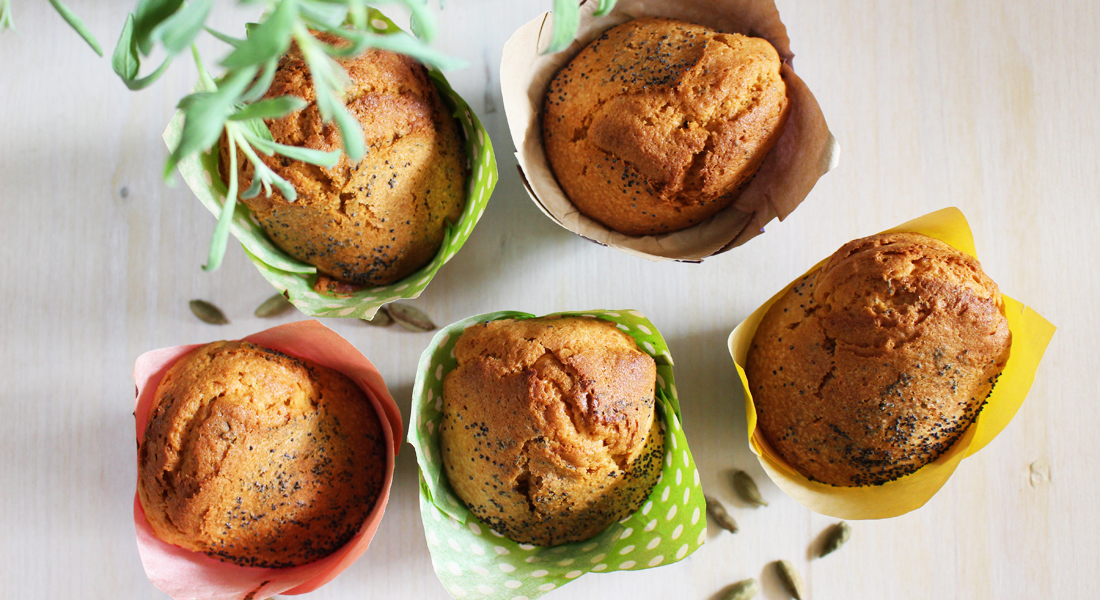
(472, 560)
(297, 278)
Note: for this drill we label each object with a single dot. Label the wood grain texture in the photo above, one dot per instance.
(993, 107)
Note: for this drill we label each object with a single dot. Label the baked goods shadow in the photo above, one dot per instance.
(713, 407)
(513, 233)
(400, 537)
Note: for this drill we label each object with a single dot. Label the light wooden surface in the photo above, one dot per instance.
(988, 106)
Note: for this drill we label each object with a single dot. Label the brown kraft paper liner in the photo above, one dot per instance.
(805, 152)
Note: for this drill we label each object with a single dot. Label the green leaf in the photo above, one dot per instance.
(144, 82)
(221, 231)
(254, 129)
(351, 133)
(6, 21)
(309, 155)
(401, 43)
(269, 40)
(148, 14)
(232, 41)
(76, 23)
(329, 82)
(269, 178)
(178, 31)
(271, 108)
(357, 14)
(205, 114)
(206, 82)
(254, 189)
(324, 15)
(566, 21)
(421, 21)
(417, 28)
(329, 78)
(604, 8)
(125, 61)
(320, 158)
(260, 86)
(285, 188)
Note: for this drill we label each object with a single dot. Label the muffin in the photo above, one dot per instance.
(377, 221)
(548, 432)
(659, 124)
(257, 458)
(877, 363)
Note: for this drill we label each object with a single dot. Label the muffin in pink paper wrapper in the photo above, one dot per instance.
(187, 575)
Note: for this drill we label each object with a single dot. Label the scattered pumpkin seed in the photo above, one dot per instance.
(381, 318)
(207, 312)
(746, 489)
(792, 581)
(273, 307)
(838, 534)
(742, 590)
(410, 317)
(720, 515)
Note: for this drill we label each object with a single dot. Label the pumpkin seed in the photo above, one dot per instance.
(791, 580)
(410, 317)
(207, 312)
(273, 307)
(742, 590)
(720, 515)
(381, 318)
(836, 537)
(746, 489)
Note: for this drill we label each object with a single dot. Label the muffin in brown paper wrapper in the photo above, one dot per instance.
(805, 151)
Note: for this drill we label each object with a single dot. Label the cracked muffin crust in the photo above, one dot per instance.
(549, 433)
(258, 458)
(877, 363)
(377, 221)
(659, 124)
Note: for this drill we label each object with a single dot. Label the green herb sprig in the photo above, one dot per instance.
(231, 105)
(7, 22)
(567, 20)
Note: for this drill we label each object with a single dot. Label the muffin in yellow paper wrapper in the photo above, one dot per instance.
(1031, 334)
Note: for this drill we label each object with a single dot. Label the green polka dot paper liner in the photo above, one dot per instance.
(473, 561)
(200, 171)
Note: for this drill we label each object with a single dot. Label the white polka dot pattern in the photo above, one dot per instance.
(200, 171)
(651, 537)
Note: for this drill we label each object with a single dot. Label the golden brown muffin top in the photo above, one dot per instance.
(258, 458)
(375, 221)
(657, 124)
(549, 433)
(876, 364)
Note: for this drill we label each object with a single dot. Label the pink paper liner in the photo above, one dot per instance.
(187, 575)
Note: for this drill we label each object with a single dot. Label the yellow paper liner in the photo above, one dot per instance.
(1031, 334)
(805, 151)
